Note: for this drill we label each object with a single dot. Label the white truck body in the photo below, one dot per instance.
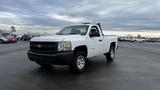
(94, 46)
(73, 48)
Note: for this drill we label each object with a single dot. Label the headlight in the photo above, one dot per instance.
(64, 46)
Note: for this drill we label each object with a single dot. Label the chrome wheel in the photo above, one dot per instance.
(112, 52)
(80, 62)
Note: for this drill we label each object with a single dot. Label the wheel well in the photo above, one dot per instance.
(81, 48)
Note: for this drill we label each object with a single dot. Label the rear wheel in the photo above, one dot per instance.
(111, 55)
(80, 62)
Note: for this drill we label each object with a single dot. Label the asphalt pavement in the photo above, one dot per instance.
(136, 67)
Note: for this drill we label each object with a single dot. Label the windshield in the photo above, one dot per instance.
(74, 30)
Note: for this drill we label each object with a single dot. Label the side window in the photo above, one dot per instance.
(94, 31)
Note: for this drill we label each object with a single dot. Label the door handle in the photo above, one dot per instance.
(100, 40)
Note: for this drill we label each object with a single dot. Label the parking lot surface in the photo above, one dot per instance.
(136, 67)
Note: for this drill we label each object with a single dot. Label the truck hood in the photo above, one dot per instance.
(57, 38)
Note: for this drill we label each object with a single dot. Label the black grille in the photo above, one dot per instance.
(44, 47)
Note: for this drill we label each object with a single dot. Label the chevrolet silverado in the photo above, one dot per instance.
(72, 46)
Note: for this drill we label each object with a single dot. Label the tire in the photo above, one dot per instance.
(43, 64)
(111, 55)
(80, 62)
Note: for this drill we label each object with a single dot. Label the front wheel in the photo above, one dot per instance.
(80, 62)
(111, 55)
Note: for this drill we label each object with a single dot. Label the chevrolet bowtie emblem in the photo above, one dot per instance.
(39, 46)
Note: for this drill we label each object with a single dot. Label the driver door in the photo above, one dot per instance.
(95, 42)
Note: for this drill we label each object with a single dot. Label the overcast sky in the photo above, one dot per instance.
(131, 15)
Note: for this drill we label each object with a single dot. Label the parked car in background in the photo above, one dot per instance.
(18, 35)
(139, 40)
(126, 39)
(152, 40)
(13, 39)
(121, 39)
(26, 37)
(3, 39)
(8, 36)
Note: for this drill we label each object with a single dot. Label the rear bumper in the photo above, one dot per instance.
(63, 58)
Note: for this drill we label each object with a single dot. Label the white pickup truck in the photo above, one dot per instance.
(72, 46)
